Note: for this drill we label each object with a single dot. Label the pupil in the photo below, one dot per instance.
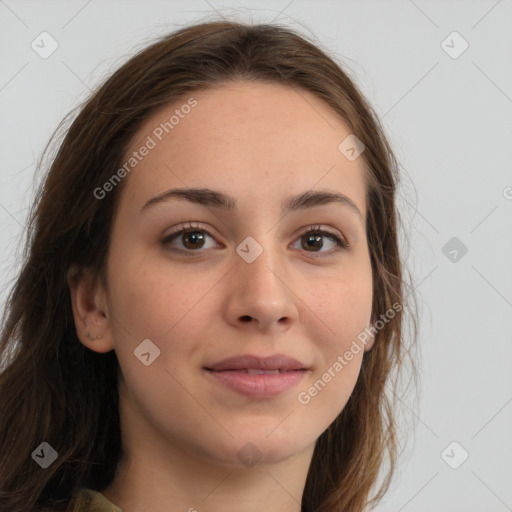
(315, 238)
(195, 236)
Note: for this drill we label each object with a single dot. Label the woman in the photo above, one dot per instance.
(211, 308)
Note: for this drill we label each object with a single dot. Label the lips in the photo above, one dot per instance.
(257, 377)
(254, 365)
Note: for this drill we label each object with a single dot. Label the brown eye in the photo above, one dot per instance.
(190, 238)
(313, 241)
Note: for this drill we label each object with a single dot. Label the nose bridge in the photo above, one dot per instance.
(260, 260)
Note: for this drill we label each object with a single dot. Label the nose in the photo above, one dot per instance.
(260, 294)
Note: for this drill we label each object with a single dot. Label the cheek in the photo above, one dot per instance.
(151, 299)
(341, 307)
(148, 295)
(342, 311)
(340, 352)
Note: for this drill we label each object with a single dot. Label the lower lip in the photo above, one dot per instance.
(261, 385)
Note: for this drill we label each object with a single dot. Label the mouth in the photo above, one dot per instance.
(256, 371)
(277, 363)
(259, 385)
(256, 383)
(257, 376)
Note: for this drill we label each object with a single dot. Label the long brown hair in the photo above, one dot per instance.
(53, 389)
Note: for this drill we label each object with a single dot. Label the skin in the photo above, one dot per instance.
(181, 431)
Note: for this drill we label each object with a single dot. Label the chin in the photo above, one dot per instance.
(258, 449)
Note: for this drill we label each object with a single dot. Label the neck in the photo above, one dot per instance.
(157, 474)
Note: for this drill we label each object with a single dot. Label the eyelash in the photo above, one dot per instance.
(191, 228)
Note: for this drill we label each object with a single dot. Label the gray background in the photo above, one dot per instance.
(450, 124)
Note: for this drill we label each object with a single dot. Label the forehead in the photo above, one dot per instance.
(249, 139)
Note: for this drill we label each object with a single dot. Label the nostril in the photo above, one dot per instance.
(245, 318)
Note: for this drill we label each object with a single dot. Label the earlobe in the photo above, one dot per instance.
(370, 335)
(89, 310)
(368, 345)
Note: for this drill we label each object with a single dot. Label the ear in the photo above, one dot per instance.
(369, 341)
(88, 300)
(370, 335)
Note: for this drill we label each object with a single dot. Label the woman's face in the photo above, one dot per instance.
(245, 280)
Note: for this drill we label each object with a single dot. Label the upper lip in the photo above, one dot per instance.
(244, 362)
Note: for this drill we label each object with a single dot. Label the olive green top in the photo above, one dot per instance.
(87, 500)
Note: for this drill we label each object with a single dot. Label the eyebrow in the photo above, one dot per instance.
(214, 199)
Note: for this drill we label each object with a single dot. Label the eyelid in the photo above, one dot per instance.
(338, 238)
(188, 226)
